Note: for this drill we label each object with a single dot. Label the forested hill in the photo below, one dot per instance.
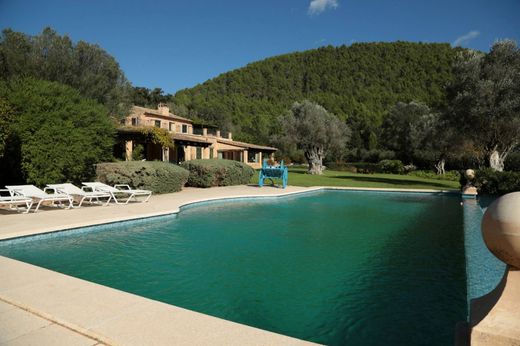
(358, 82)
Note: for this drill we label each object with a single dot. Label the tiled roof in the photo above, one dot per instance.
(245, 145)
(191, 138)
(139, 109)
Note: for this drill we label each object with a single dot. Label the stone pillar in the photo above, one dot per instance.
(260, 157)
(204, 131)
(230, 136)
(166, 154)
(129, 146)
(495, 317)
(218, 133)
(187, 153)
(205, 153)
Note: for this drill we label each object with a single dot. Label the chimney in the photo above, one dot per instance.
(204, 131)
(163, 109)
(218, 133)
(229, 136)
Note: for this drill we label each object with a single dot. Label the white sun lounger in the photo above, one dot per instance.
(120, 189)
(80, 195)
(15, 201)
(38, 195)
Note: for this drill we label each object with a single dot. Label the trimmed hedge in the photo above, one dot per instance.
(157, 176)
(212, 172)
(490, 182)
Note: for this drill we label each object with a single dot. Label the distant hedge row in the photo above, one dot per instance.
(164, 177)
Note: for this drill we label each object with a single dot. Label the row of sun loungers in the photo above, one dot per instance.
(68, 195)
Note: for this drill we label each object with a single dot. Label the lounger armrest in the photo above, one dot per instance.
(16, 193)
(122, 187)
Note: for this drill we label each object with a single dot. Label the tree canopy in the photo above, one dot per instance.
(358, 83)
(484, 100)
(315, 131)
(85, 67)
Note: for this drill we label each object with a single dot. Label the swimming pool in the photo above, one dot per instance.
(335, 267)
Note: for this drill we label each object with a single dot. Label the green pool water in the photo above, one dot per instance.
(334, 267)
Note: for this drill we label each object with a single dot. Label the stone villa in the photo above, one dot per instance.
(189, 140)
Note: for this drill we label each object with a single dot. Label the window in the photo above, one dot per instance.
(170, 127)
(210, 153)
(184, 128)
(134, 121)
(157, 123)
(199, 153)
(122, 121)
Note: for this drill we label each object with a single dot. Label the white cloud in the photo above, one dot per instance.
(464, 39)
(318, 6)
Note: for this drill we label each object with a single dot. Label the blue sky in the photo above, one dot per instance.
(178, 44)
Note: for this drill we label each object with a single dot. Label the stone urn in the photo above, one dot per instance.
(501, 228)
(469, 190)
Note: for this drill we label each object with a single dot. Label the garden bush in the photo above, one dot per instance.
(490, 182)
(391, 166)
(449, 175)
(207, 173)
(52, 135)
(513, 162)
(354, 167)
(157, 176)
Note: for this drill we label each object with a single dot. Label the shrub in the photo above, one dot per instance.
(449, 175)
(513, 162)
(207, 173)
(138, 152)
(160, 177)
(55, 134)
(391, 166)
(354, 167)
(490, 182)
(372, 156)
(409, 168)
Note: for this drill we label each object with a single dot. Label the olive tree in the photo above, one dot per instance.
(484, 100)
(435, 140)
(315, 131)
(400, 129)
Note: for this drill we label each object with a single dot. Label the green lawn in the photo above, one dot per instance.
(299, 177)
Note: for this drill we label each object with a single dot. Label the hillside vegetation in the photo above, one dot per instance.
(358, 83)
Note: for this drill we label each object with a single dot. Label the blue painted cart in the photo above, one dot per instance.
(273, 172)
